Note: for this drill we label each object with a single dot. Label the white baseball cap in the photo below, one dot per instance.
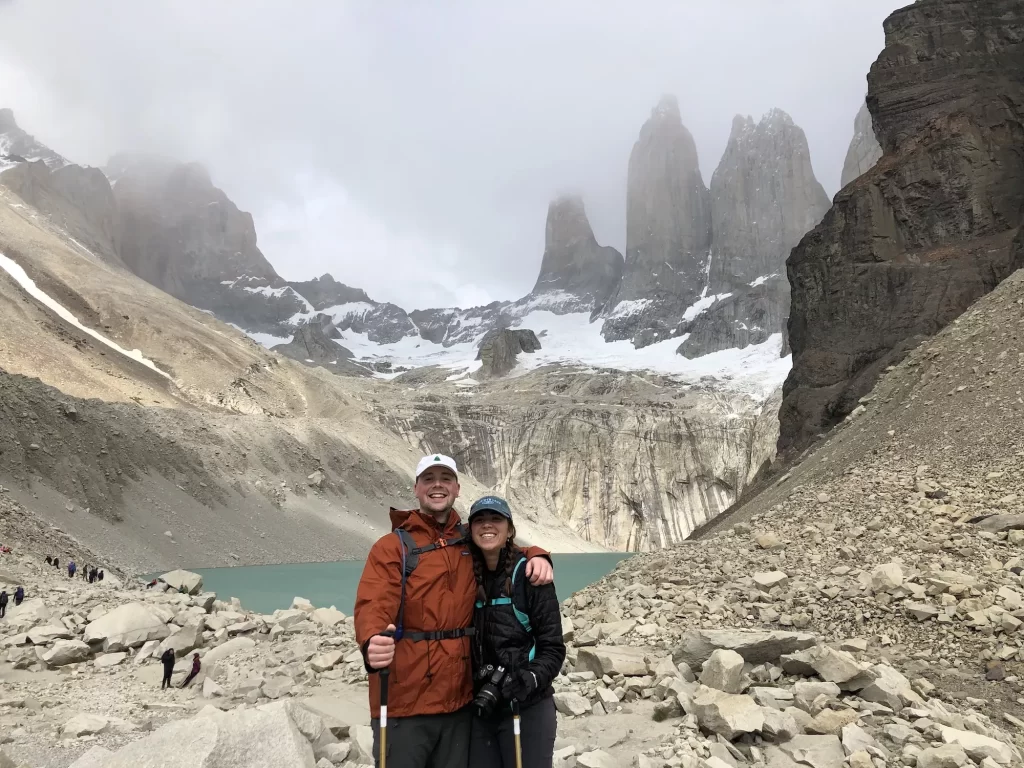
(436, 460)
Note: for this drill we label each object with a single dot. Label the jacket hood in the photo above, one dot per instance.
(413, 519)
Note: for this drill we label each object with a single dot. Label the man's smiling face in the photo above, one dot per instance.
(436, 490)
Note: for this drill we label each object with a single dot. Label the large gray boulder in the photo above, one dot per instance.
(191, 582)
(30, 613)
(127, 626)
(613, 660)
(186, 639)
(815, 751)
(727, 714)
(247, 738)
(756, 647)
(66, 652)
(232, 646)
(500, 348)
(84, 724)
(723, 671)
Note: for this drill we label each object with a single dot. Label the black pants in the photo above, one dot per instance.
(168, 671)
(426, 741)
(17, 601)
(188, 679)
(3, 609)
(492, 744)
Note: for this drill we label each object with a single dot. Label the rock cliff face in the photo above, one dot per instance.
(614, 457)
(17, 146)
(916, 240)
(864, 150)
(764, 198)
(313, 345)
(382, 322)
(668, 232)
(184, 235)
(747, 316)
(179, 228)
(573, 261)
(79, 200)
(500, 348)
(324, 291)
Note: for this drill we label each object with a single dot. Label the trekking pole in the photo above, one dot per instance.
(515, 730)
(384, 709)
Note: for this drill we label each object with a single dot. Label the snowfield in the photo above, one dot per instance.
(572, 340)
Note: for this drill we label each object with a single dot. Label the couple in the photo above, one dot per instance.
(467, 624)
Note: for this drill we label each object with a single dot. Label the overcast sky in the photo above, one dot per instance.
(411, 148)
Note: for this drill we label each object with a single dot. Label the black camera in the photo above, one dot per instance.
(489, 695)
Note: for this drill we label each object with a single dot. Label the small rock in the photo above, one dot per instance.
(724, 671)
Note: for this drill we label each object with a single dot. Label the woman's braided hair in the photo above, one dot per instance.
(511, 555)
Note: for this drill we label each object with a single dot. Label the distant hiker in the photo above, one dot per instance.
(56, 563)
(71, 569)
(100, 575)
(195, 670)
(19, 595)
(168, 661)
(93, 575)
(85, 572)
(49, 560)
(3, 603)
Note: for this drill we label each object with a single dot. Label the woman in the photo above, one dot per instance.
(519, 629)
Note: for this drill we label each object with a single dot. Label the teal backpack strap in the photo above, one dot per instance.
(524, 619)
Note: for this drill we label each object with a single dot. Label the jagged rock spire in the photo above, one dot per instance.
(764, 198)
(574, 262)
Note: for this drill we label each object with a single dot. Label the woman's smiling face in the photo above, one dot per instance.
(489, 530)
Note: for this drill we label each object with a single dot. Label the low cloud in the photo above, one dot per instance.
(411, 148)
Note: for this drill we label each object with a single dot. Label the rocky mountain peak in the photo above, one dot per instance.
(764, 198)
(324, 291)
(666, 109)
(18, 146)
(864, 150)
(574, 263)
(567, 223)
(80, 198)
(668, 230)
(7, 121)
(180, 229)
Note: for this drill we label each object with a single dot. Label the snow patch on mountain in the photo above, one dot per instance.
(29, 286)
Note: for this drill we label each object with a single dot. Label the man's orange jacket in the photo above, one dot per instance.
(427, 676)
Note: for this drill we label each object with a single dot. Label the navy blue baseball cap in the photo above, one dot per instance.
(491, 504)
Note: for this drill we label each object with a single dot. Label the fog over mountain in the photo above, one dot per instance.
(412, 149)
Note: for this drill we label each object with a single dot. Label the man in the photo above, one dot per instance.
(3, 603)
(71, 569)
(195, 671)
(167, 659)
(431, 685)
(19, 595)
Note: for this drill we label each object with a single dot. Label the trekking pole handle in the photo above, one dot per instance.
(384, 672)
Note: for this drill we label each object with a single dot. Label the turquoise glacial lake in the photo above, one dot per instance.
(265, 588)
